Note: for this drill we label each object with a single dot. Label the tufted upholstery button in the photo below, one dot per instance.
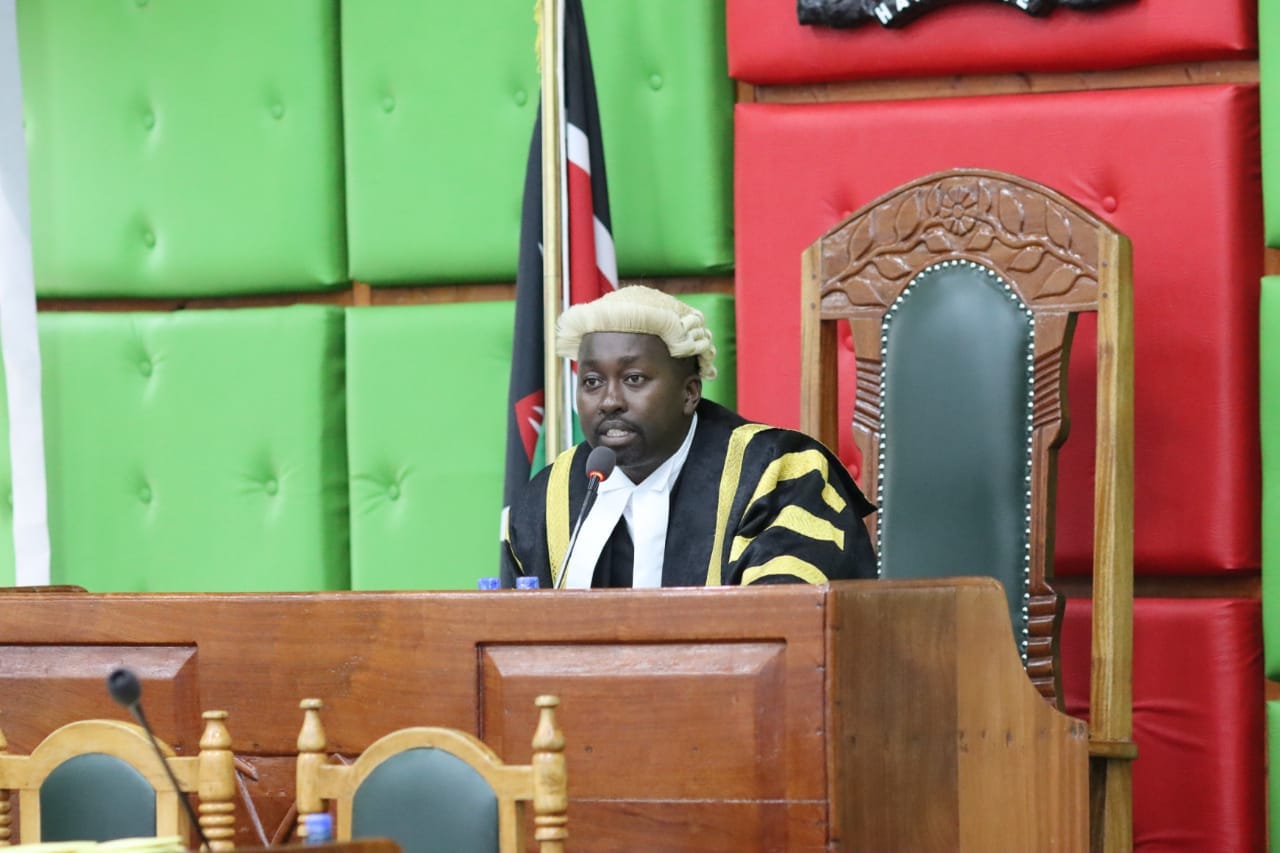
(1109, 204)
(655, 81)
(271, 486)
(144, 367)
(521, 98)
(388, 104)
(149, 239)
(277, 111)
(393, 491)
(144, 494)
(141, 3)
(148, 120)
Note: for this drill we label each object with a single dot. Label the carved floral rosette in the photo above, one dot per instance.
(1045, 246)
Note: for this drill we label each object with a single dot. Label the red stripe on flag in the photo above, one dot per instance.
(585, 280)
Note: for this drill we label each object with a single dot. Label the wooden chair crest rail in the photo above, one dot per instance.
(98, 780)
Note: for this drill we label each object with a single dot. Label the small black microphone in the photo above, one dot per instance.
(125, 688)
(600, 462)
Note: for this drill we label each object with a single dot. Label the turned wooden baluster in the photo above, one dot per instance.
(217, 782)
(312, 743)
(550, 783)
(5, 814)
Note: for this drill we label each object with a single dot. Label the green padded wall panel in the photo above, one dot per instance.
(1269, 409)
(198, 450)
(666, 106)
(426, 392)
(718, 309)
(426, 400)
(1269, 71)
(439, 104)
(183, 148)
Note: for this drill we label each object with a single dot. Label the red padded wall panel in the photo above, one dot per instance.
(768, 45)
(1176, 169)
(1198, 783)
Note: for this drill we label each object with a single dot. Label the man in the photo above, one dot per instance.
(700, 496)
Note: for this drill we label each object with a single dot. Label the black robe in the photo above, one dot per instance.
(752, 504)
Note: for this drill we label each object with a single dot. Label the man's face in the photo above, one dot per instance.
(635, 399)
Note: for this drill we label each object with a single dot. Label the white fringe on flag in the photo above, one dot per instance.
(19, 344)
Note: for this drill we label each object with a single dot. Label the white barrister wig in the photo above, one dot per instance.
(640, 310)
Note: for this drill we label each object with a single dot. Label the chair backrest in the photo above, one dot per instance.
(437, 789)
(98, 780)
(961, 291)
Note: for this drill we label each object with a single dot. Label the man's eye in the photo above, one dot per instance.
(591, 382)
(634, 378)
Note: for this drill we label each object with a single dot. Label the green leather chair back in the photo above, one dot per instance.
(96, 797)
(427, 801)
(955, 456)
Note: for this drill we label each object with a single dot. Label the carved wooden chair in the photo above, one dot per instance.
(439, 789)
(98, 780)
(961, 291)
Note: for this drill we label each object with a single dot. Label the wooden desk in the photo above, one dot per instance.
(865, 715)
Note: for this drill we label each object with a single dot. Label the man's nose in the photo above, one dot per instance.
(612, 399)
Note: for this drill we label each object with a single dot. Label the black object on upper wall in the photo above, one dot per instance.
(895, 13)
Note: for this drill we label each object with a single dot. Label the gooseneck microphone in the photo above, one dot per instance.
(600, 462)
(125, 688)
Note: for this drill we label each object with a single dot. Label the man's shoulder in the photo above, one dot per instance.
(764, 435)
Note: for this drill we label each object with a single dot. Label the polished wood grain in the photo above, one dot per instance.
(698, 719)
(1111, 682)
(953, 749)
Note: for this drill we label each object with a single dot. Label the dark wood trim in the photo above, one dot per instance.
(1270, 261)
(1188, 74)
(360, 294)
(440, 293)
(264, 300)
(1242, 584)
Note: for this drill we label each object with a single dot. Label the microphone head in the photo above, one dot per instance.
(600, 462)
(124, 687)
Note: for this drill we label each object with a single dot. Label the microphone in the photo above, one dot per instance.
(125, 688)
(600, 462)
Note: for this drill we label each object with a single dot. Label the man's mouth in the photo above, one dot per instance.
(615, 430)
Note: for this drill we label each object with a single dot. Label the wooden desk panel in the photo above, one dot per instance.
(666, 697)
(788, 718)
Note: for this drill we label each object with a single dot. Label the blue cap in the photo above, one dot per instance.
(488, 583)
(319, 827)
(528, 582)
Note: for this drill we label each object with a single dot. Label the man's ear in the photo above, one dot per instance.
(692, 393)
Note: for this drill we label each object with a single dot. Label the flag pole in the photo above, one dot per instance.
(552, 223)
